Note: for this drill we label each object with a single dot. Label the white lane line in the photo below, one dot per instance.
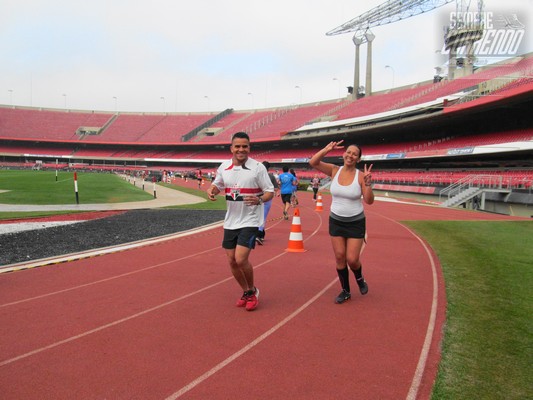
(421, 366)
(249, 346)
(257, 340)
(149, 242)
(108, 279)
(424, 352)
(130, 317)
(116, 322)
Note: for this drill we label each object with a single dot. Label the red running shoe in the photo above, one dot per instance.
(242, 301)
(253, 301)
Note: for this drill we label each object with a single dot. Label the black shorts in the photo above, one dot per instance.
(355, 229)
(242, 237)
(286, 198)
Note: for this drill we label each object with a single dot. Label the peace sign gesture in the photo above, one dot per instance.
(367, 175)
(333, 145)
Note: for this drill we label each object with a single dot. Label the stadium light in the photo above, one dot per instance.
(65, 97)
(392, 69)
(164, 104)
(116, 103)
(252, 96)
(208, 104)
(10, 96)
(298, 87)
(339, 87)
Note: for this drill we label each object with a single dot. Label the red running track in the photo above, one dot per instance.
(159, 321)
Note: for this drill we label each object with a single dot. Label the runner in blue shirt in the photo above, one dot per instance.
(287, 182)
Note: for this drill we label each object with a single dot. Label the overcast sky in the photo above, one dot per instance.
(207, 55)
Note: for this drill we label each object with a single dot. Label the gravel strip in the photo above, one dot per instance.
(128, 227)
(30, 226)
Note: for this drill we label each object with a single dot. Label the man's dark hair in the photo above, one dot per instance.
(285, 168)
(240, 135)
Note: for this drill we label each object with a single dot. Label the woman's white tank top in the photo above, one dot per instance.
(346, 200)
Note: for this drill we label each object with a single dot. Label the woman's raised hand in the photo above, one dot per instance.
(367, 175)
(333, 145)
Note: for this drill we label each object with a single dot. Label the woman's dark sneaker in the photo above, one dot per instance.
(363, 287)
(342, 297)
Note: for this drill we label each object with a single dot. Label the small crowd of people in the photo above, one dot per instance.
(249, 189)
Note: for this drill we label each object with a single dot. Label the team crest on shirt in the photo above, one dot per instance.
(235, 192)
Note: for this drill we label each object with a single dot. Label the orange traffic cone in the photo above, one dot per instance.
(296, 243)
(318, 206)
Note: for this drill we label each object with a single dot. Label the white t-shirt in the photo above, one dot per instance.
(237, 181)
(346, 200)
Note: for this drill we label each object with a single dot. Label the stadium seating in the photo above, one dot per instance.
(155, 140)
(173, 127)
(245, 123)
(47, 124)
(379, 103)
(290, 120)
(485, 178)
(277, 155)
(124, 128)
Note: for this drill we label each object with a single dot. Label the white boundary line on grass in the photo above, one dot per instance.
(424, 353)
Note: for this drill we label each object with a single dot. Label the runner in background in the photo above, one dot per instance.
(294, 197)
(268, 204)
(287, 182)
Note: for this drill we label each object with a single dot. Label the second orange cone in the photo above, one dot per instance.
(318, 206)
(296, 243)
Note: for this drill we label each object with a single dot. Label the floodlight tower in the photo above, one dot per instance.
(463, 32)
(388, 12)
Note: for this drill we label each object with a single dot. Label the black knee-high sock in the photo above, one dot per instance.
(344, 278)
(358, 273)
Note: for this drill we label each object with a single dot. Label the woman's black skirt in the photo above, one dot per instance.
(354, 229)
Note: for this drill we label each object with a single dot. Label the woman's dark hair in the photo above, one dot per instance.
(355, 145)
(292, 172)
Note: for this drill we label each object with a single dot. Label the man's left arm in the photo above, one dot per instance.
(267, 196)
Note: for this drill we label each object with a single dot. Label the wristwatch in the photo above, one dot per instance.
(260, 200)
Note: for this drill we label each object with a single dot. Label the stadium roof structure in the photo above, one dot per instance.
(463, 34)
(386, 13)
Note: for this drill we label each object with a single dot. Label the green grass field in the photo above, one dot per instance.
(41, 187)
(488, 338)
(207, 205)
(487, 352)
